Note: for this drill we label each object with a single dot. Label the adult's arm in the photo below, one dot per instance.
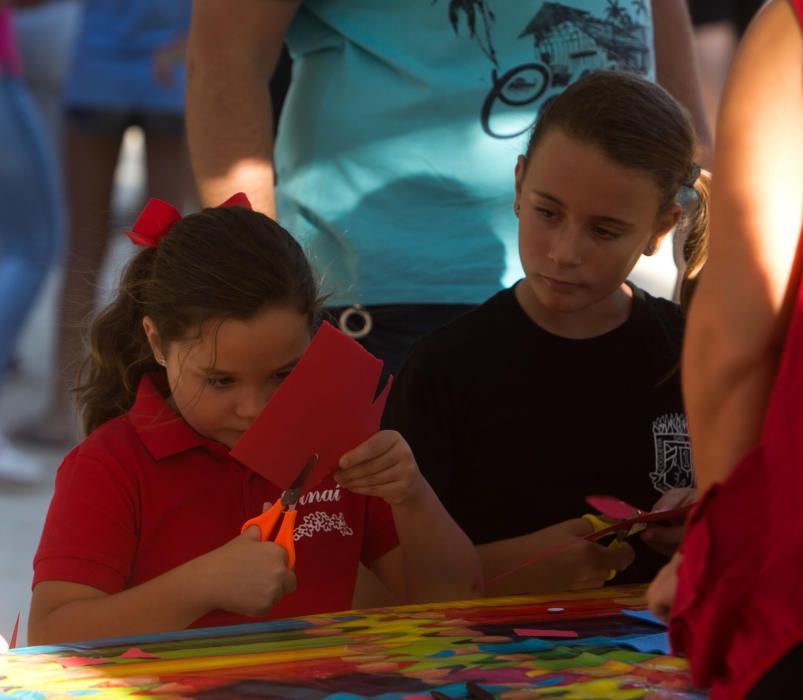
(737, 319)
(676, 67)
(233, 50)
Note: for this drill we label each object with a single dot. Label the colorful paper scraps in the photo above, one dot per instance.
(327, 405)
(403, 653)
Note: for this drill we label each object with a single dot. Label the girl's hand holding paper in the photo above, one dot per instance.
(665, 539)
(382, 466)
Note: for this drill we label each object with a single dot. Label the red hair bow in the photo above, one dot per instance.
(157, 217)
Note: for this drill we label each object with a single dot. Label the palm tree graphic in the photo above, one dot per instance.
(615, 11)
(640, 7)
(471, 8)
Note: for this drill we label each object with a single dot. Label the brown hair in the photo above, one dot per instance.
(638, 125)
(221, 263)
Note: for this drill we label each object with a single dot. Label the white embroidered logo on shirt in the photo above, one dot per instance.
(325, 496)
(673, 468)
(322, 522)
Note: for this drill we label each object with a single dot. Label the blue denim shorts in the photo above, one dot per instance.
(111, 121)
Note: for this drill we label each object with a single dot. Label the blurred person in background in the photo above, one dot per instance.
(127, 70)
(718, 28)
(45, 31)
(30, 230)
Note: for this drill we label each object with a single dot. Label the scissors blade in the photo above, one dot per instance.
(633, 530)
(293, 493)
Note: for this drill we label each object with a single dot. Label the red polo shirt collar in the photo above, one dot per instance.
(163, 432)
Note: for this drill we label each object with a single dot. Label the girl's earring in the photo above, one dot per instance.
(516, 208)
(650, 249)
(161, 361)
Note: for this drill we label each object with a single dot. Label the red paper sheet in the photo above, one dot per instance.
(326, 406)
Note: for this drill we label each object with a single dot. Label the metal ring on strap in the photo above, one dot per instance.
(360, 312)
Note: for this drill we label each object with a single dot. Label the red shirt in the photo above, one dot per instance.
(737, 610)
(145, 493)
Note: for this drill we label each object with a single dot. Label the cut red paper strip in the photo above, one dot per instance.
(12, 644)
(527, 632)
(137, 653)
(327, 405)
(612, 507)
(173, 688)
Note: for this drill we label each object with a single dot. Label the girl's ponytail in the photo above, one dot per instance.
(695, 231)
(118, 350)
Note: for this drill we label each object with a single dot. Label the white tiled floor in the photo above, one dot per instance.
(22, 510)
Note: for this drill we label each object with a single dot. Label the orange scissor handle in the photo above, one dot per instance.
(284, 537)
(265, 522)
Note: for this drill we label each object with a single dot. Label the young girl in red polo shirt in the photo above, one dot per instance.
(142, 534)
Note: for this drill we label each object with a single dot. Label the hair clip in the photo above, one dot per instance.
(157, 217)
(695, 173)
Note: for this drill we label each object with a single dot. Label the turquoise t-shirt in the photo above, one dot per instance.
(400, 133)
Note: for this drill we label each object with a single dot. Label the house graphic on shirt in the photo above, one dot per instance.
(573, 41)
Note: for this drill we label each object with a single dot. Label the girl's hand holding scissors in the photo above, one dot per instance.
(246, 576)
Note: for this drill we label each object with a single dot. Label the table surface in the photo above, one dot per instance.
(398, 653)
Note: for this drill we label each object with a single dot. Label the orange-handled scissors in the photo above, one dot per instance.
(285, 506)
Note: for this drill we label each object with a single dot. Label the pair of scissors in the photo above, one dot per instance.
(600, 523)
(285, 506)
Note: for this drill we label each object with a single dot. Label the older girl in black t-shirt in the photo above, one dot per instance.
(566, 384)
